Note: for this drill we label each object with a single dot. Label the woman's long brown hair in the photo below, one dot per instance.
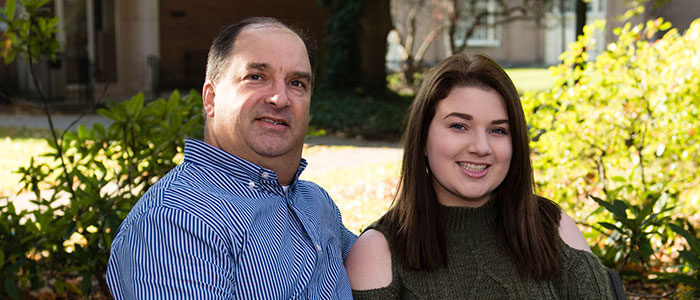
(529, 223)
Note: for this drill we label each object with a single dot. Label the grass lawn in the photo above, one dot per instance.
(16, 153)
(531, 79)
(363, 193)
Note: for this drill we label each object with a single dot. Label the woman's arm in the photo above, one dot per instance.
(369, 262)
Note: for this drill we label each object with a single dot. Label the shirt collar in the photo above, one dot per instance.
(201, 153)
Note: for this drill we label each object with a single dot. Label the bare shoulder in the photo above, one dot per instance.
(369, 262)
(572, 236)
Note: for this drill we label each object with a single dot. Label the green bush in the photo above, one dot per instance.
(64, 243)
(625, 124)
(373, 116)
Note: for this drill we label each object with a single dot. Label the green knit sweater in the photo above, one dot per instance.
(479, 267)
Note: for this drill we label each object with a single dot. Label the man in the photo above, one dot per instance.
(233, 220)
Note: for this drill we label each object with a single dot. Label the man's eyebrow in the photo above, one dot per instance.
(302, 75)
(257, 66)
(469, 117)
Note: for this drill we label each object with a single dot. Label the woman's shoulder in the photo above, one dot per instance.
(369, 262)
(570, 233)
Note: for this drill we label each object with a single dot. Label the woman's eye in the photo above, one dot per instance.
(500, 131)
(458, 126)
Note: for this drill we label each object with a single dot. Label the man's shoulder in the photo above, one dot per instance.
(183, 188)
(313, 190)
(305, 184)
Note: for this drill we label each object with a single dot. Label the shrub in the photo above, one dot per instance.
(625, 123)
(690, 256)
(373, 116)
(64, 244)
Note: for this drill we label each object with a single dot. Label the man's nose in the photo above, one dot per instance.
(278, 96)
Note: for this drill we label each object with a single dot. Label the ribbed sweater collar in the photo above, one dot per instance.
(462, 219)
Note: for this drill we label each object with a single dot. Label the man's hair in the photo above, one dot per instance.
(527, 223)
(220, 50)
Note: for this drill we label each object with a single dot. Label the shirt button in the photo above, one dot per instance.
(318, 247)
(264, 175)
(251, 184)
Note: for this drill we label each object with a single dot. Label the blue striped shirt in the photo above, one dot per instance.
(220, 227)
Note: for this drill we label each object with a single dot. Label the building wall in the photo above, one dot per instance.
(187, 29)
(519, 42)
(522, 44)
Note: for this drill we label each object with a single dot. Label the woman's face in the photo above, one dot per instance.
(469, 146)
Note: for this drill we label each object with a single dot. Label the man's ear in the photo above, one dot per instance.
(208, 95)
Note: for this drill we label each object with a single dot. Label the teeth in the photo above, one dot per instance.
(272, 121)
(472, 167)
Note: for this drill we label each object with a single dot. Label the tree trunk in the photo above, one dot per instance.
(580, 17)
(376, 24)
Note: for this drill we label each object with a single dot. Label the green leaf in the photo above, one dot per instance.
(106, 113)
(82, 132)
(86, 284)
(645, 248)
(10, 6)
(620, 209)
(618, 179)
(665, 26)
(134, 104)
(59, 285)
(11, 288)
(611, 226)
(2, 258)
(692, 241)
(691, 258)
(685, 279)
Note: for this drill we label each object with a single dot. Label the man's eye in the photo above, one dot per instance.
(255, 77)
(298, 83)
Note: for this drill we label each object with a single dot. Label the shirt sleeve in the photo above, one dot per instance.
(170, 254)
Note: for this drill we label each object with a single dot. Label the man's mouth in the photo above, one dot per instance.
(274, 122)
(472, 167)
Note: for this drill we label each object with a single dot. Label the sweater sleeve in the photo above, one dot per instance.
(583, 277)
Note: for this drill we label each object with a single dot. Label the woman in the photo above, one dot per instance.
(465, 223)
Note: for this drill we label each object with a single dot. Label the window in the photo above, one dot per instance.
(487, 34)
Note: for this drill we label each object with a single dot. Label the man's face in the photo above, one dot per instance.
(259, 108)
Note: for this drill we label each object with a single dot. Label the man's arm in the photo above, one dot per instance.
(168, 253)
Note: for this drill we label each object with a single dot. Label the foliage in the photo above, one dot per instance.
(30, 34)
(343, 30)
(691, 256)
(629, 118)
(372, 116)
(110, 168)
(630, 237)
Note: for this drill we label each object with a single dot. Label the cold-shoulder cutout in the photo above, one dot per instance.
(570, 234)
(369, 262)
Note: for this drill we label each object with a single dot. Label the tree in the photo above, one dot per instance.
(456, 21)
